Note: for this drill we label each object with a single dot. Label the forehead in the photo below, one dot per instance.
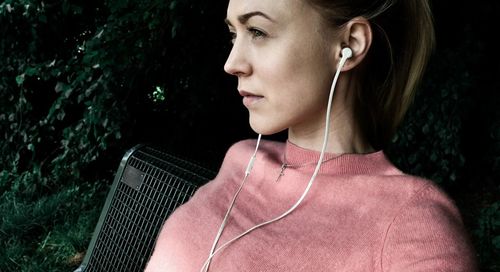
(276, 9)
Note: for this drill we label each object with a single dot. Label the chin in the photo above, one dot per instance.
(265, 128)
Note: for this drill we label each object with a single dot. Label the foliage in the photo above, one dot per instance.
(82, 81)
(69, 69)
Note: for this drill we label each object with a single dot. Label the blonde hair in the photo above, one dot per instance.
(403, 39)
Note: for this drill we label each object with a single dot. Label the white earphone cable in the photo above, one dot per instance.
(224, 221)
(345, 56)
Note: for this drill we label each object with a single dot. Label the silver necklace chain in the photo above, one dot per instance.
(285, 165)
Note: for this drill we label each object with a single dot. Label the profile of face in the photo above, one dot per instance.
(285, 58)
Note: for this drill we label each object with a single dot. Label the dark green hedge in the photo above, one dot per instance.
(83, 81)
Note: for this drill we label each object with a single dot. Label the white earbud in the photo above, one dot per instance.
(346, 52)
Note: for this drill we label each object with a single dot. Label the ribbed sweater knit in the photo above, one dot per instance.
(361, 214)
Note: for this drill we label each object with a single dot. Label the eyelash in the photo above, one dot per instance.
(254, 32)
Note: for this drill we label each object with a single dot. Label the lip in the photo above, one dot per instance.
(250, 99)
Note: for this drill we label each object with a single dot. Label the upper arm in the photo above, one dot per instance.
(428, 235)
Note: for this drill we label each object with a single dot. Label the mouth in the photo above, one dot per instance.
(250, 99)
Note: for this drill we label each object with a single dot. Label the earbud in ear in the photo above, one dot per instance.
(346, 52)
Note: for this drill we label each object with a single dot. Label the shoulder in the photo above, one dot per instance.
(241, 147)
(424, 202)
(233, 167)
(427, 232)
(245, 148)
(409, 190)
(239, 154)
(426, 198)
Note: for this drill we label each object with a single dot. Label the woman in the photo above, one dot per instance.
(327, 199)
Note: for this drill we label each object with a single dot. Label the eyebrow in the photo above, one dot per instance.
(245, 17)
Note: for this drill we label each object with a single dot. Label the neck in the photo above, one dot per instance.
(344, 134)
(342, 139)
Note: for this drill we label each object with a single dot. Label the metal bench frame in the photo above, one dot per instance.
(149, 184)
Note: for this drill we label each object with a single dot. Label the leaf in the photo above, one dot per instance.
(31, 71)
(60, 115)
(51, 64)
(20, 79)
(68, 92)
(59, 87)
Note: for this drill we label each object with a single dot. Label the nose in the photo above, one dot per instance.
(237, 62)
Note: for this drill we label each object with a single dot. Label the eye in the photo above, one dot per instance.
(256, 33)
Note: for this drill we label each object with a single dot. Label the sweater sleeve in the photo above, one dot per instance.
(428, 235)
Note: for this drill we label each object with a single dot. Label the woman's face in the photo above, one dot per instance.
(284, 59)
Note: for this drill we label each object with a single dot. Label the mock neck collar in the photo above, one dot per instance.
(369, 163)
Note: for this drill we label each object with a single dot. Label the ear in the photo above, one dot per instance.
(357, 35)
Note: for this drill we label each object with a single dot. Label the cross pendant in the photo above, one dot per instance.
(283, 167)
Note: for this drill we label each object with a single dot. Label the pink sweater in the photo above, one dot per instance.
(361, 214)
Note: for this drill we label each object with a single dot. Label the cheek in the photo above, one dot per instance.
(287, 66)
(297, 74)
(295, 79)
